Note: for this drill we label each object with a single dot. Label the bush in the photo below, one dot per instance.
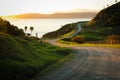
(66, 39)
(78, 39)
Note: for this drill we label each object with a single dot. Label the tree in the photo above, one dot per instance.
(31, 29)
(25, 29)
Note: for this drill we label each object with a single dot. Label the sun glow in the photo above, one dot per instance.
(10, 7)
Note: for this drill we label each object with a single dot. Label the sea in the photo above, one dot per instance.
(43, 26)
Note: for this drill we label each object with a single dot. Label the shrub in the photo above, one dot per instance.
(66, 39)
(78, 39)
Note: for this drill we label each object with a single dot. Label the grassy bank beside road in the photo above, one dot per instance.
(23, 57)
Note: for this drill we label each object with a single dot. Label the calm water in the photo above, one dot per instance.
(42, 26)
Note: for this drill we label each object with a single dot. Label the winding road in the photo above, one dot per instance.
(88, 63)
(77, 31)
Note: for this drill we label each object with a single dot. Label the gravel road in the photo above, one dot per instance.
(79, 28)
(89, 63)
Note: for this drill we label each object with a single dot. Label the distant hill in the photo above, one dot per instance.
(105, 23)
(107, 20)
(56, 15)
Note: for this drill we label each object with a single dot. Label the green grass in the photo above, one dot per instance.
(22, 60)
(56, 65)
(93, 36)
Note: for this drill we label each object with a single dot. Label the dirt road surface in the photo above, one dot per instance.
(79, 28)
(89, 63)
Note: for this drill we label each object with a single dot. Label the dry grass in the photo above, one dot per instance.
(70, 44)
(68, 34)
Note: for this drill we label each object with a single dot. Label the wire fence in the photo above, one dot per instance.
(104, 42)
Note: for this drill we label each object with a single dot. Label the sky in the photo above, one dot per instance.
(13, 7)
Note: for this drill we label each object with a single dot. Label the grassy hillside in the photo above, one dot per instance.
(63, 30)
(103, 25)
(22, 57)
(6, 27)
(107, 21)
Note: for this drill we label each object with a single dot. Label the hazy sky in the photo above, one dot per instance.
(9, 7)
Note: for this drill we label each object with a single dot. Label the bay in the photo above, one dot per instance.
(43, 26)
